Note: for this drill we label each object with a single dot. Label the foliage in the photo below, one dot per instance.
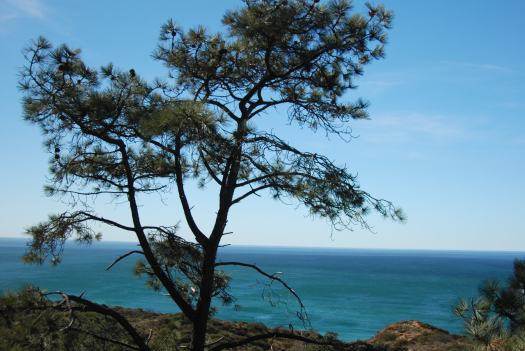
(113, 134)
(496, 319)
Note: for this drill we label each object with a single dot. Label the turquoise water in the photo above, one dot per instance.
(349, 291)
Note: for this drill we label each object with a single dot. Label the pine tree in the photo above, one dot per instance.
(496, 319)
(112, 133)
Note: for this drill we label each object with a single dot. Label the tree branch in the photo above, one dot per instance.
(223, 108)
(273, 277)
(120, 258)
(177, 297)
(271, 175)
(208, 168)
(90, 216)
(199, 235)
(251, 192)
(103, 309)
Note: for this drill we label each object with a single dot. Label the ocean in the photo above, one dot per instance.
(353, 292)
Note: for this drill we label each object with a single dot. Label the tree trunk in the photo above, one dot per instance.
(199, 334)
(200, 323)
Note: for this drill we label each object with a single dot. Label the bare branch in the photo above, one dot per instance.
(123, 257)
(273, 175)
(199, 235)
(90, 216)
(223, 108)
(272, 277)
(208, 168)
(251, 192)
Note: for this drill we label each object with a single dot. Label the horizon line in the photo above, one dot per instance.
(313, 247)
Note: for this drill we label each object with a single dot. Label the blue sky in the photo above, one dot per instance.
(446, 139)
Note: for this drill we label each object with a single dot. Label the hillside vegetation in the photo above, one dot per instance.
(27, 323)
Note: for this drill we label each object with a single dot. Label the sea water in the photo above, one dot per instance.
(353, 292)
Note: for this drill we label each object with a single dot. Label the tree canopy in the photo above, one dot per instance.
(111, 132)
